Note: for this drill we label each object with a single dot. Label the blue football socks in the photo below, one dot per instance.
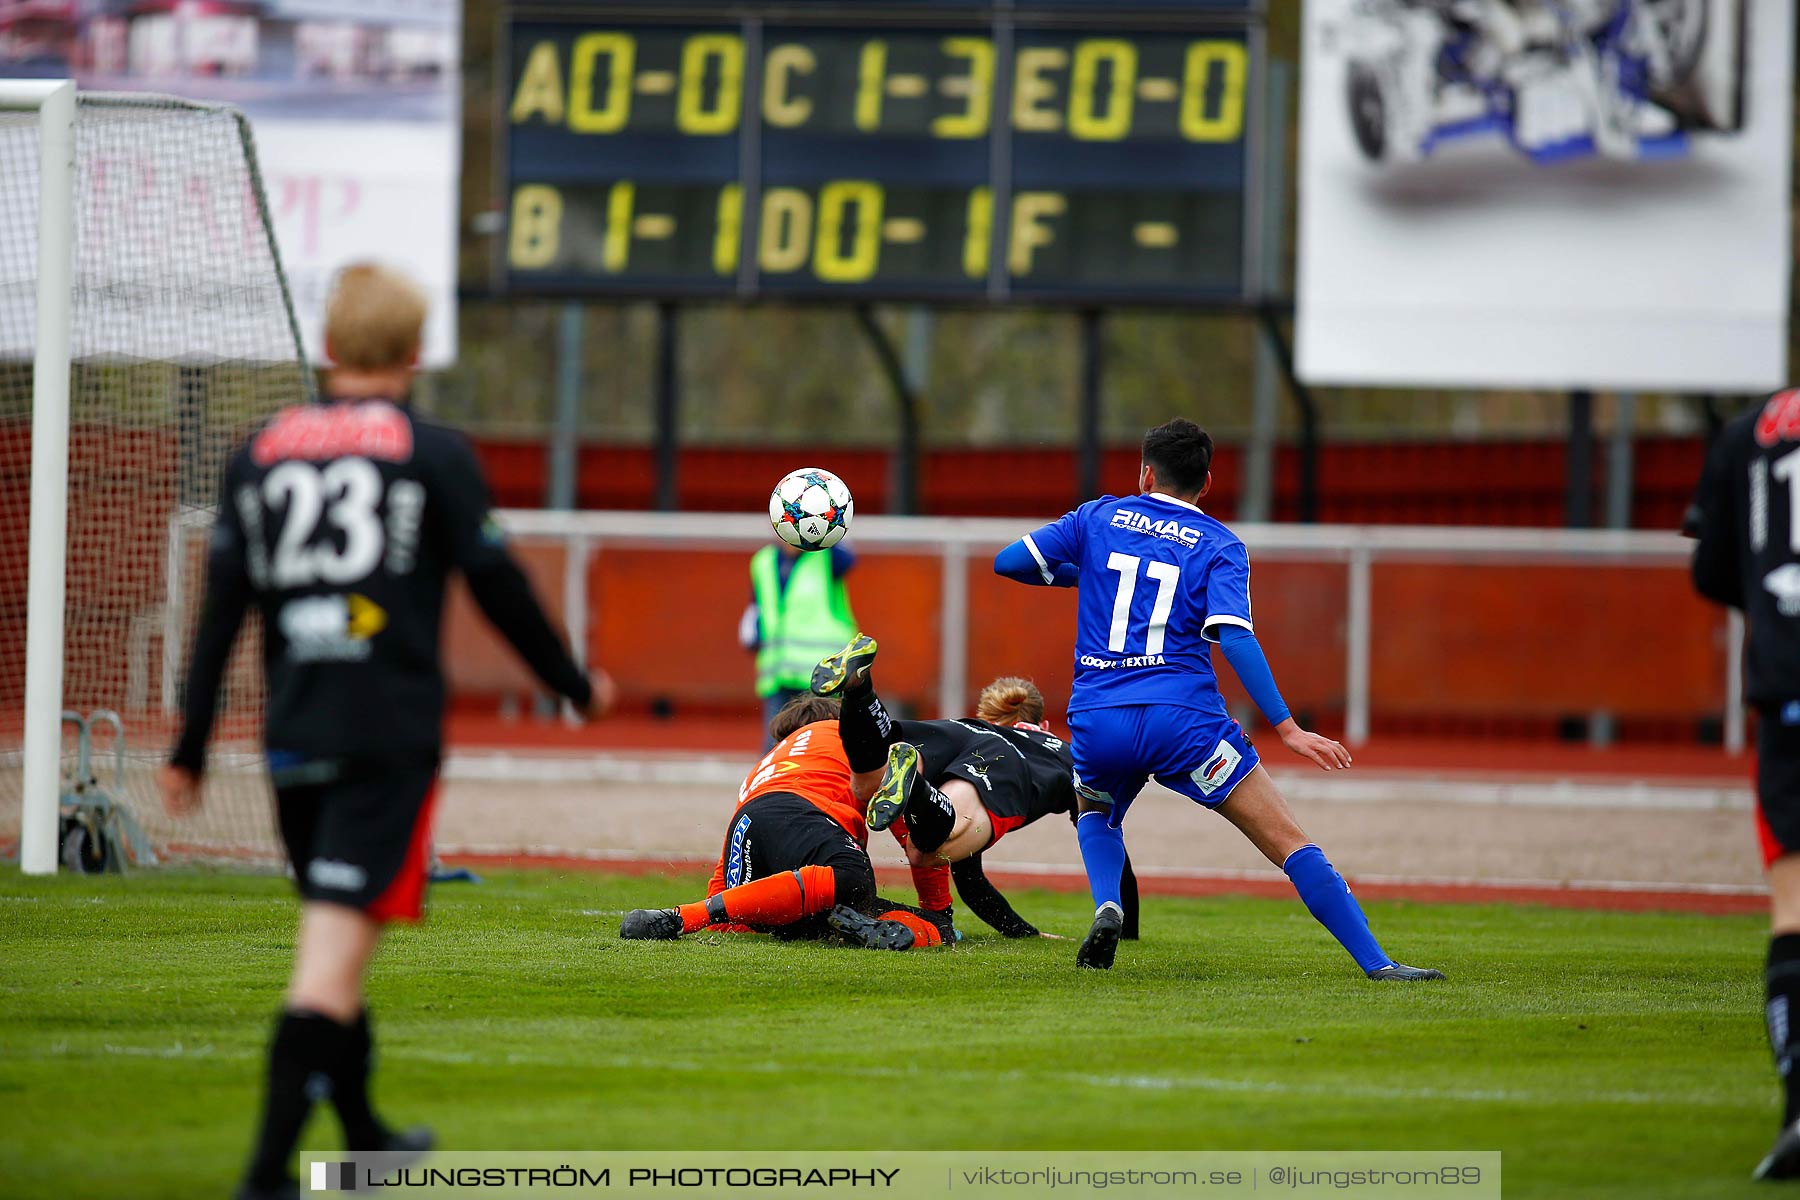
(1326, 896)
(1103, 854)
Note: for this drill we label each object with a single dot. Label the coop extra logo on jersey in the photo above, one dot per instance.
(316, 432)
(1168, 529)
(1133, 660)
(330, 628)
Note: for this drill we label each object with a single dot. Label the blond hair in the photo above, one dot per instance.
(374, 318)
(1009, 700)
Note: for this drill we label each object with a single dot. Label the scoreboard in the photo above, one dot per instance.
(1034, 152)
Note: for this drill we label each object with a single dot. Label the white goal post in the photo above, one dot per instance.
(146, 325)
(54, 102)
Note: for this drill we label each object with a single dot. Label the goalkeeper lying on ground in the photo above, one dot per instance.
(961, 785)
(795, 861)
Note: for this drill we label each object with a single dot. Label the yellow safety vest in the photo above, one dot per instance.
(800, 625)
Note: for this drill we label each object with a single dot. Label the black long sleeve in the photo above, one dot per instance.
(228, 596)
(1712, 520)
(985, 900)
(506, 599)
(478, 549)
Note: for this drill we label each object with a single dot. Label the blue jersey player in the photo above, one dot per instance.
(1160, 581)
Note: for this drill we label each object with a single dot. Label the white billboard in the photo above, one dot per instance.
(356, 108)
(1526, 194)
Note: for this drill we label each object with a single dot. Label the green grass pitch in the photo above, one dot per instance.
(1606, 1054)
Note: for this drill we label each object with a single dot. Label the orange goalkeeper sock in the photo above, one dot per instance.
(925, 934)
(778, 900)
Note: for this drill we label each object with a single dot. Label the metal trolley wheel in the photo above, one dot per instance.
(1368, 111)
(84, 848)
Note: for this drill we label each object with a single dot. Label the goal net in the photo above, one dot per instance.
(183, 335)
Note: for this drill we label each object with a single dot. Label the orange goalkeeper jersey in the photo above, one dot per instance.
(811, 764)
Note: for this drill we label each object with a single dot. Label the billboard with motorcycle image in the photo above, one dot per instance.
(1546, 193)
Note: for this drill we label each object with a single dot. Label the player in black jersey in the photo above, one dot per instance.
(960, 785)
(340, 523)
(1746, 515)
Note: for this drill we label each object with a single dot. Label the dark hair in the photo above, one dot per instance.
(801, 710)
(1181, 454)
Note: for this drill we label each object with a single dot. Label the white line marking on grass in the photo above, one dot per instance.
(176, 1051)
(1158, 1083)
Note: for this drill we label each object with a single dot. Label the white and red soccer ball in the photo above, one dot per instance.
(810, 509)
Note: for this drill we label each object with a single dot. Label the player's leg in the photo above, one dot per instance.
(772, 873)
(864, 726)
(359, 849)
(972, 826)
(1105, 743)
(786, 865)
(1778, 828)
(864, 919)
(946, 819)
(1781, 980)
(1256, 807)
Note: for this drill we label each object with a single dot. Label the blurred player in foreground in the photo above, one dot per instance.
(959, 785)
(795, 861)
(341, 523)
(1748, 558)
(1158, 580)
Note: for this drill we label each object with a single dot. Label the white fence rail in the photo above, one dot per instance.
(956, 540)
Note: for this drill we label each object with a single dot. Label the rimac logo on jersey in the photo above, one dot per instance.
(1168, 529)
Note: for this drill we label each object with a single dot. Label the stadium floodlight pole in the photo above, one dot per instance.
(54, 101)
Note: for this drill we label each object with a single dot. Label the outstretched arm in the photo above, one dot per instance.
(1024, 562)
(228, 595)
(985, 900)
(1046, 557)
(500, 588)
(1246, 658)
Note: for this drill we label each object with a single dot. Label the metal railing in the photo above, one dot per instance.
(955, 540)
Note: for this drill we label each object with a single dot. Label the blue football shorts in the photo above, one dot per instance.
(1117, 750)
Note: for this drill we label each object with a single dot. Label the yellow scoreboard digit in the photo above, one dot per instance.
(1082, 159)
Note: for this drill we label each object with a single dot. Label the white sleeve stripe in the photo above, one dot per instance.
(1043, 566)
(1207, 626)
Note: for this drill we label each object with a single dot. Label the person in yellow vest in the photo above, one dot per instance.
(799, 612)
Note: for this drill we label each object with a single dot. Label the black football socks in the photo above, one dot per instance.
(865, 727)
(297, 1054)
(1782, 978)
(312, 1058)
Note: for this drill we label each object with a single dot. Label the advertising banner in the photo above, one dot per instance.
(1523, 194)
(356, 107)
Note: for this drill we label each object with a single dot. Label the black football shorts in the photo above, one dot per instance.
(363, 838)
(780, 832)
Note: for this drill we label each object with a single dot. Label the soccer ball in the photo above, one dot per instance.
(810, 509)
